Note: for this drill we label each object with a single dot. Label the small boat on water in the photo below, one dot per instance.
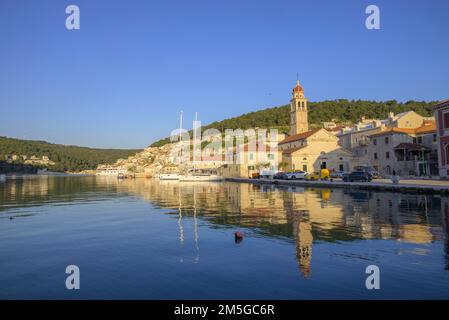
(2, 178)
(200, 177)
(121, 176)
(169, 176)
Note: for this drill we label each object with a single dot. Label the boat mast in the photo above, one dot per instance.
(180, 126)
(194, 140)
(180, 139)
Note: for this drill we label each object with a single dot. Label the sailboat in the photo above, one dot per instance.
(199, 175)
(169, 176)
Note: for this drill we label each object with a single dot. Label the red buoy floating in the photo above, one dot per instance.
(238, 236)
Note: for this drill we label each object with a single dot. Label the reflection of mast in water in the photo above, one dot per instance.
(181, 230)
(195, 230)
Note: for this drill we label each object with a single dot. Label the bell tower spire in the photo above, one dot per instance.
(298, 110)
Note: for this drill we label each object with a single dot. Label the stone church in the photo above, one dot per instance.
(310, 150)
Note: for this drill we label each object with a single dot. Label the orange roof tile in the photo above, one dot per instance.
(427, 127)
(440, 104)
(299, 136)
(291, 150)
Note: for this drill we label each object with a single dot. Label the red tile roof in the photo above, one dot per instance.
(442, 103)
(428, 127)
(291, 150)
(297, 87)
(299, 136)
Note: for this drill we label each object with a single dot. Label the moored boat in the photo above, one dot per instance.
(200, 177)
(169, 176)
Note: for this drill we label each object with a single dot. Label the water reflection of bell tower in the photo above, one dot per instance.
(302, 231)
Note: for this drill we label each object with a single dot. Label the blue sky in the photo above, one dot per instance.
(121, 80)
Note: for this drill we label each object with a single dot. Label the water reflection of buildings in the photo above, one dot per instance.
(308, 215)
(304, 215)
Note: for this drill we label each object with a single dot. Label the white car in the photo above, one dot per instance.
(296, 175)
(268, 174)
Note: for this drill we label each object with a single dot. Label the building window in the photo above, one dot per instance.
(386, 140)
(304, 167)
(446, 120)
(387, 155)
(375, 141)
(414, 140)
(375, 155)
(251, 156)
(434, 138)
(447, 154)
(271, 156)
(420, 139)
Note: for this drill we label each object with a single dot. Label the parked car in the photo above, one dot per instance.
(369, 169)
(267, 174)
(295, 175)
(323, 174)
(337, 174)
(255, 175)
(280, 175)
(362, 176)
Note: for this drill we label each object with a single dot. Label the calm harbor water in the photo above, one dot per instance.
(150, 239)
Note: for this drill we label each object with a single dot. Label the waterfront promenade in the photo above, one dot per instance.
(405, 185)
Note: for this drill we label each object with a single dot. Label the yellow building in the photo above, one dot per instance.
(248, 160)
(310, 150)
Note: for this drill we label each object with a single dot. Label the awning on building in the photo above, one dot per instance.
(411, 147)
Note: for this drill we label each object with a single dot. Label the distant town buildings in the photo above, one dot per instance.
(33, 160)
(406, 143)
(107, 170)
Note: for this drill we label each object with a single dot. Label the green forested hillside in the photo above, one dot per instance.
(67, 158)
(342, 111)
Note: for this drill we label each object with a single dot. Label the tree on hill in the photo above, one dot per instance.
(66, 158)
(341, 110)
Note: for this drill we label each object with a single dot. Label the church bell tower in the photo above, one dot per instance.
(298, 111)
